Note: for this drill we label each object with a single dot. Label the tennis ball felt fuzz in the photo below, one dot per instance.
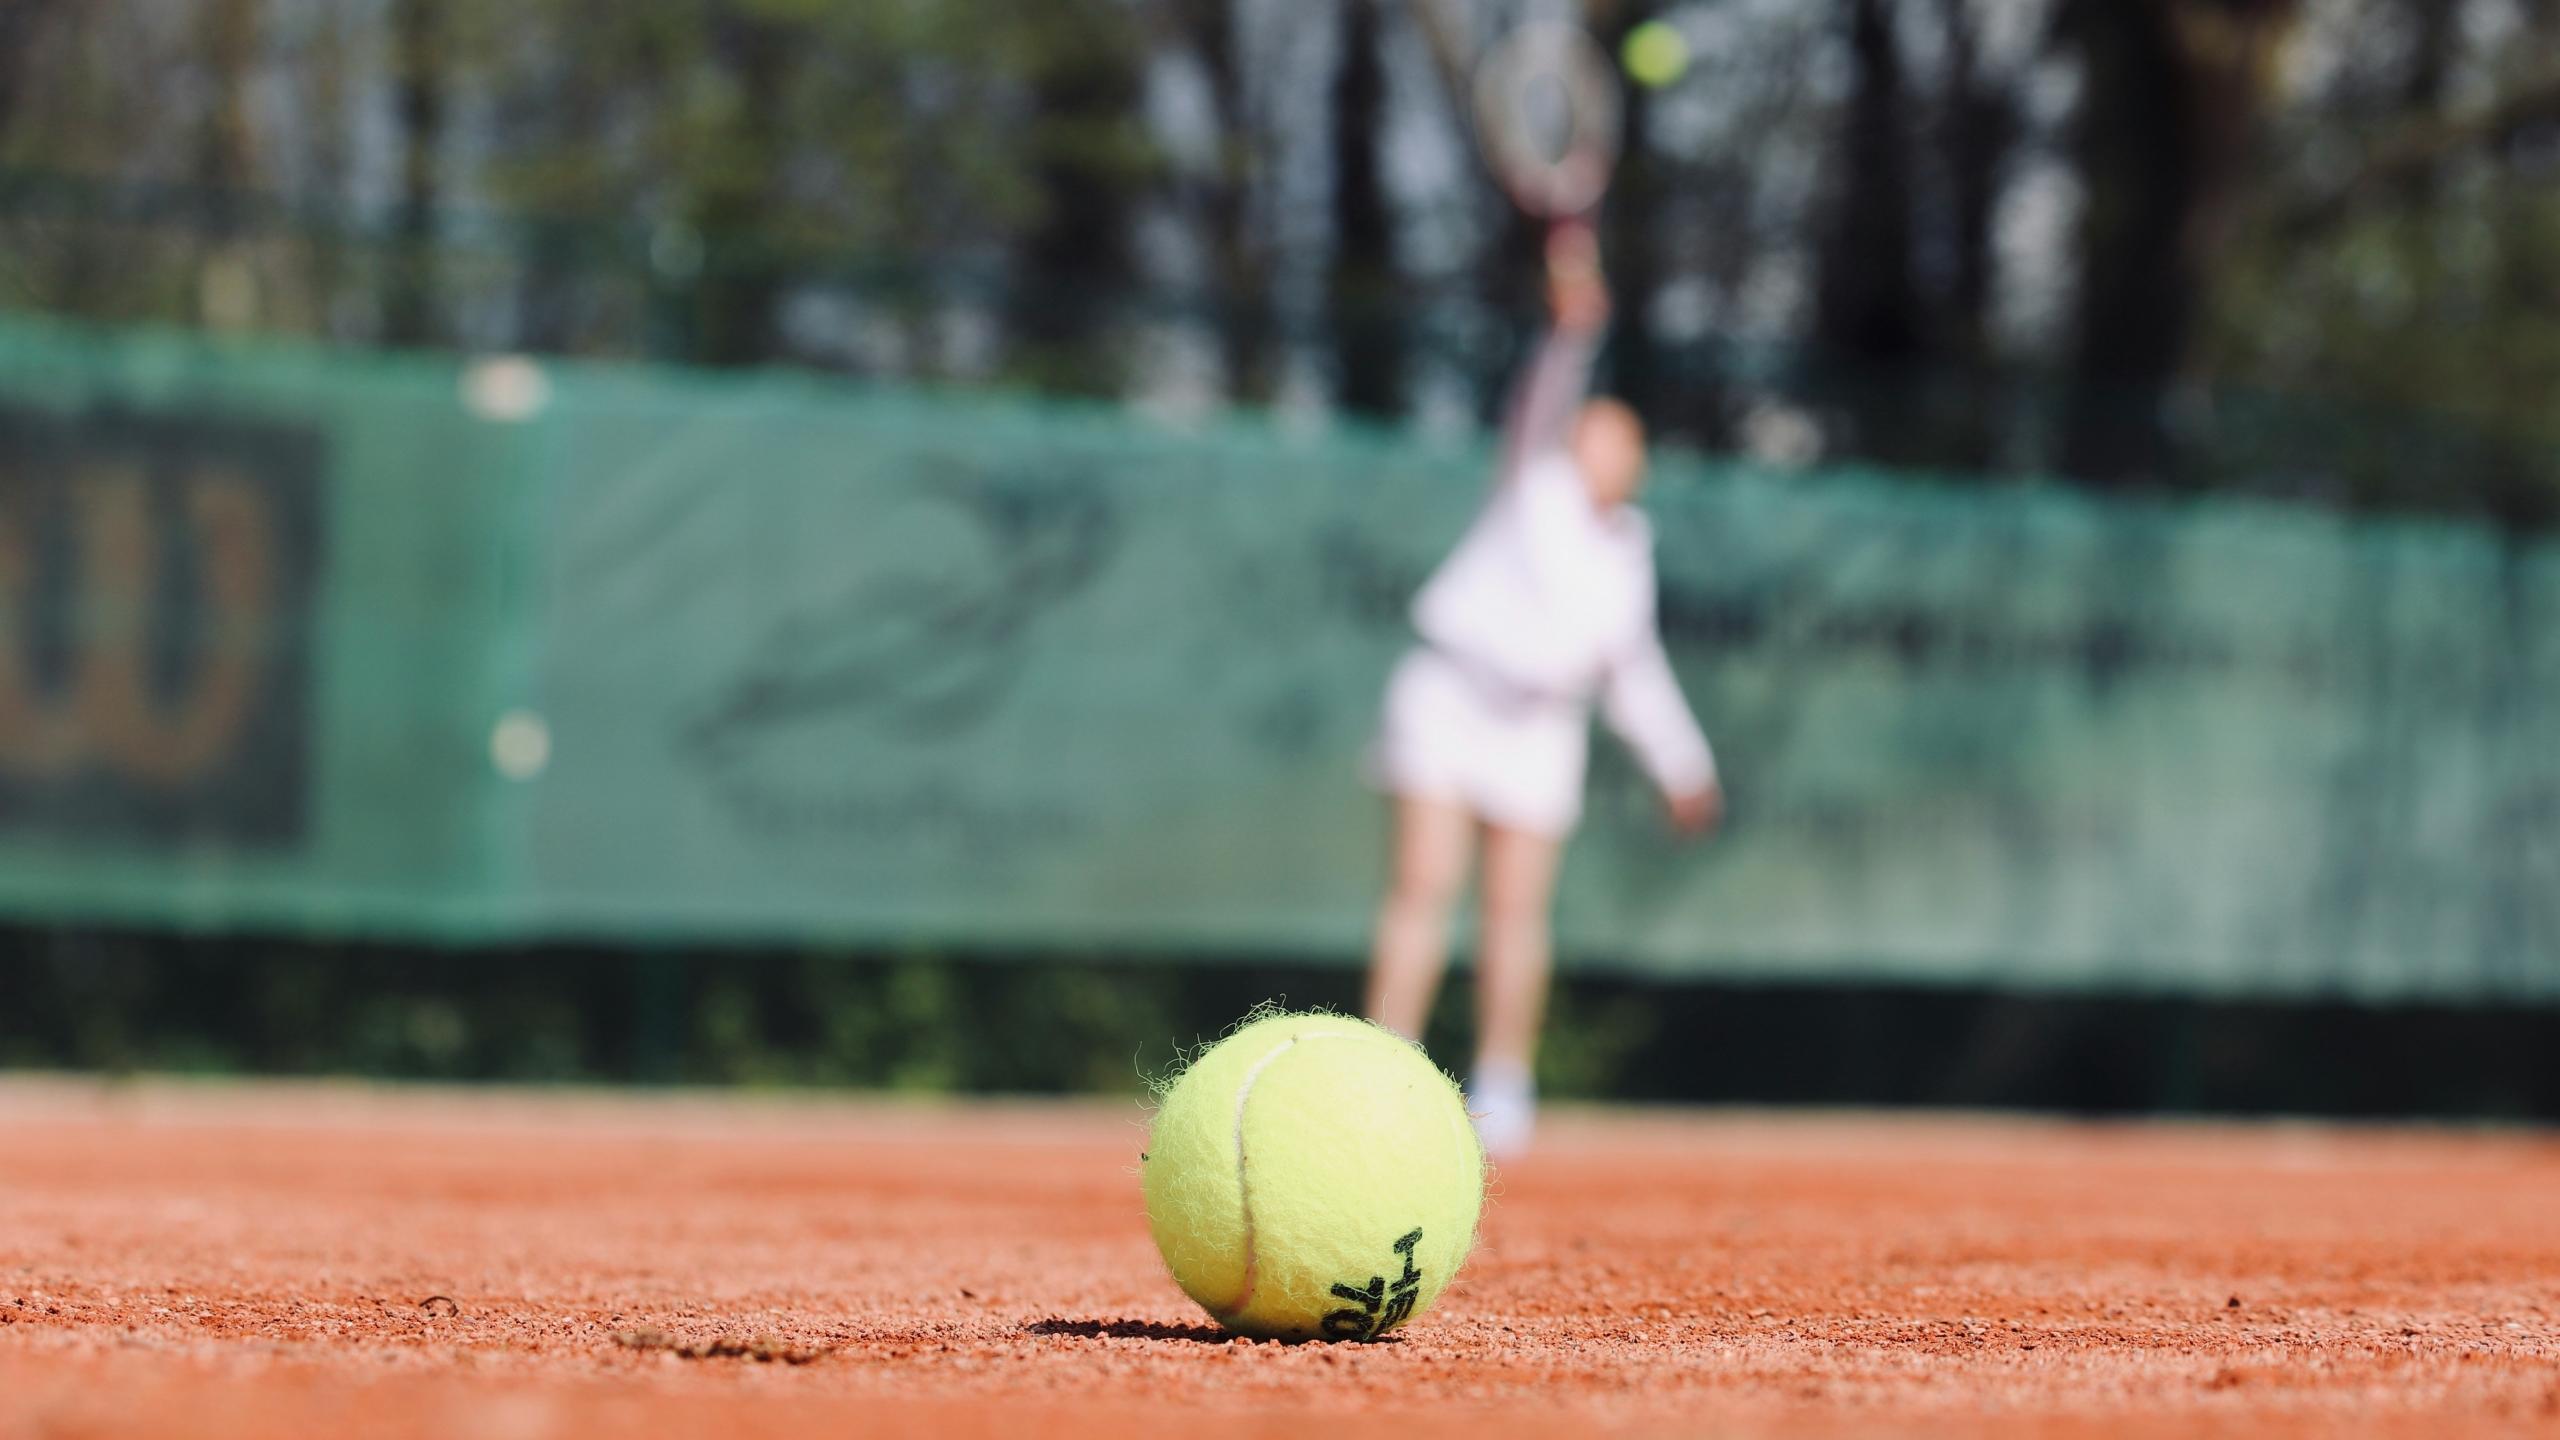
(1655, 54)
(1313, 1177)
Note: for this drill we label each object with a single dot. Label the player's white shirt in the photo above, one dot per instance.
(1554, 597)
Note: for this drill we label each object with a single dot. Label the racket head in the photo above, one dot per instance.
(1547, 111)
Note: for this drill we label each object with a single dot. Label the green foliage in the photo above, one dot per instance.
(716, 149)
(899, 1022)
(2445, 310)
(797, 132)
(1083, 1024)
(598, 176)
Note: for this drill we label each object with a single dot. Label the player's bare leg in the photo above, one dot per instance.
(1516, 952)
(1431, 848)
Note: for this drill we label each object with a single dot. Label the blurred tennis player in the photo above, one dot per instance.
(1546, 604)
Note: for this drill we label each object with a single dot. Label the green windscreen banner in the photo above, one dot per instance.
(251, 602)
(643, 656)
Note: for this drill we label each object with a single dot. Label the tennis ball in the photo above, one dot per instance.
(1655, 54)
(1313, 1177)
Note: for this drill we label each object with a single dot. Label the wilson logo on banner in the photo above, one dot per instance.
(156, 587)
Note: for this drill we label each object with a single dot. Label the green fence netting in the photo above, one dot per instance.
(252, 609)
(782, 660)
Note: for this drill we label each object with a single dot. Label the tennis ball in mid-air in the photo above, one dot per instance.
(1313, 1177)
(1655, 53)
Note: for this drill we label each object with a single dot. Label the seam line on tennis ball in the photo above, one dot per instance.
(1244, 1195)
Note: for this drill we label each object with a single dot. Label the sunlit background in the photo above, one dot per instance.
(779, 542)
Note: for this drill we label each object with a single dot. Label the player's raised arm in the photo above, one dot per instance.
(1559, 377)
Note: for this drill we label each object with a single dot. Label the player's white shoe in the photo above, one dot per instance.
(1503, 1101)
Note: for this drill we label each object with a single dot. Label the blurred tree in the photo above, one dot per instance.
(1978, 133)
(1943, 202)
(2404, 282)
(1638, 245)
(66, 108)
(420, 82)
(25, 26)
(565, 102)
(1869, 331)
(751, 150)
(1908, 272)
(1364, 302)
(1086, 155)
(1979, 130)
(1868, 301)
(1240, 259)
(745, 91)
(597, 106)
(322, 85)
(2172, 89)
(226, 161)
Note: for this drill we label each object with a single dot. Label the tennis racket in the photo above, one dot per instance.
(1546, 105)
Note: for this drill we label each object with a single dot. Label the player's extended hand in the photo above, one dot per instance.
(1577, 294)
(1696, 814)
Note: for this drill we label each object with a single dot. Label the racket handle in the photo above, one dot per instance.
(1577, 292)
(1573, 248)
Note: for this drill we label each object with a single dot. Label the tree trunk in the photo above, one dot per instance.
(1980, 126)
(2171, 90)
(1242, 302)
(1078, 269)
(1635, 251)
(418, 88)
(1869, 327)
(22, 23)
(1868, 301)
(1363, 299)
(226, 164)
(331, 166)
(738, 298)
(570, 113)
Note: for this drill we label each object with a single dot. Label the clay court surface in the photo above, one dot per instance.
(271, 1260)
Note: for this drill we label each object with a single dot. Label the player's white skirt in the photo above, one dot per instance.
(1514, 757)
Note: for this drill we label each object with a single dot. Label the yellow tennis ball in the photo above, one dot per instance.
(1313, 1177)
(1655, 53)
